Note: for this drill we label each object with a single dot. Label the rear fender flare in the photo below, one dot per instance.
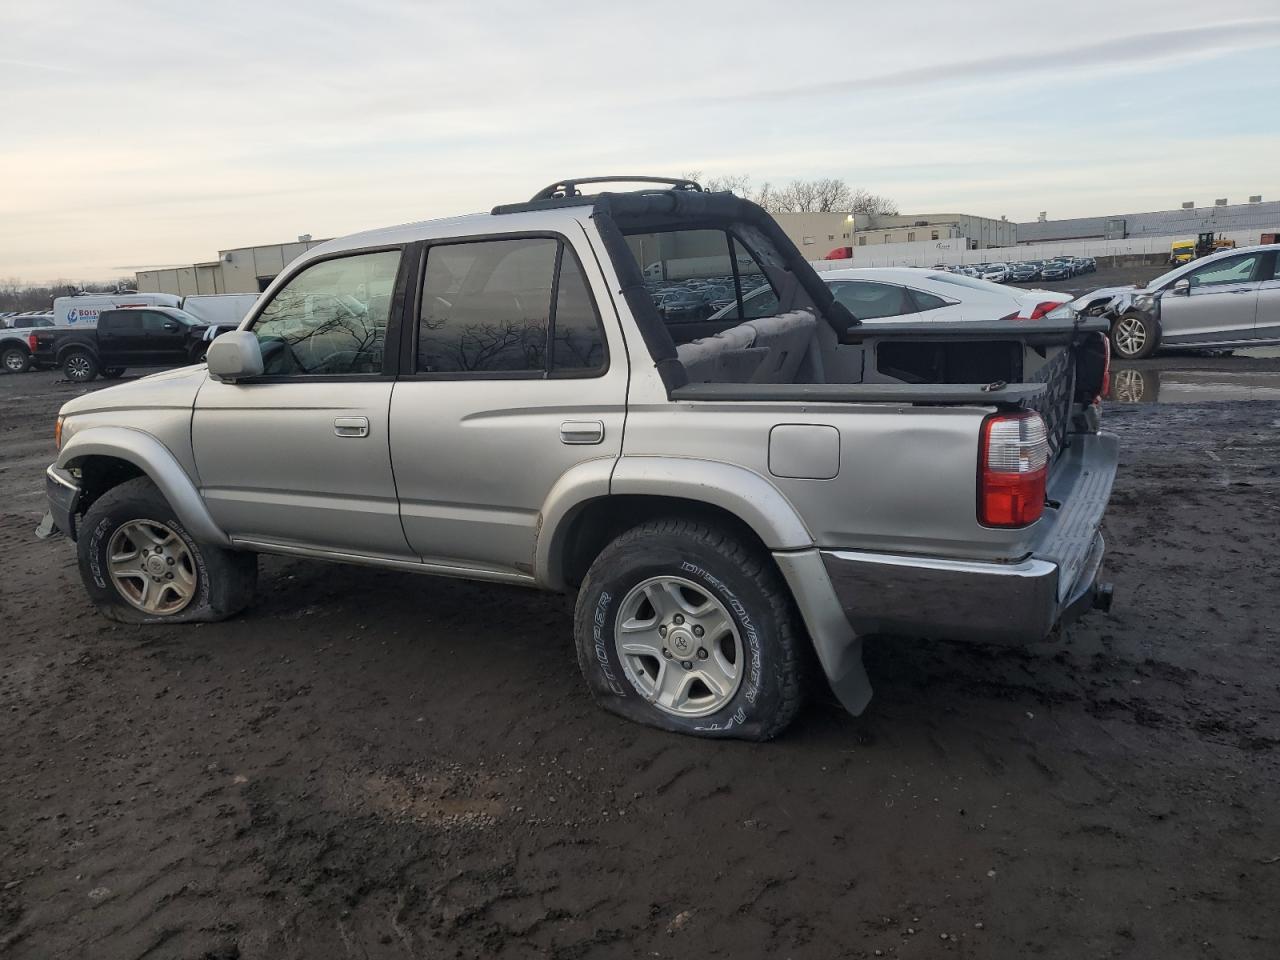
(151, 457)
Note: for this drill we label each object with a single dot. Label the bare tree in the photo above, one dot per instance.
(822, 195)
(863, 201)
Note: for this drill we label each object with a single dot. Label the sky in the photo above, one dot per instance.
(137, 134)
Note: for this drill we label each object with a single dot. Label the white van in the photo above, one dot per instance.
(82, 311)
(220, 309)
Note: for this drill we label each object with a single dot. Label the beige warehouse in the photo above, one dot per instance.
(238, 270)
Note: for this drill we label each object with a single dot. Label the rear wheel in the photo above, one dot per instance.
(1134, 336)
(80, 366)
(680, 625)
(140, 565)
(15, 360)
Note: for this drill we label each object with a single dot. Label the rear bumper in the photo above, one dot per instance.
(1016, 602)
(63, 495)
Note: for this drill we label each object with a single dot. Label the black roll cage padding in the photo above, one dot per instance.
(569, 188)
(618, 214)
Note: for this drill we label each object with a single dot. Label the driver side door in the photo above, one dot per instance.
(1221, 303)
(298, 459)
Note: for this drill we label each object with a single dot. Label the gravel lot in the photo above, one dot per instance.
(371, 764)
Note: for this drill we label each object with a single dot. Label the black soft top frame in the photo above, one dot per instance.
(797, 284)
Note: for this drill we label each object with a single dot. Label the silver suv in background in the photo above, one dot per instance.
(1228, 300)
(498, 397)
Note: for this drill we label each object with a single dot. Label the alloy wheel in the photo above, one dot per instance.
(151, 567)
(1131, 336)
(679, 646)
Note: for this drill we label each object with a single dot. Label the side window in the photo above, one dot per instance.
(121, 321)
(701, 275)
(867, 300)
(330, 319)
(153, 322)
(486, 306)
(926, 301)
(578, 341)
(1231, 270)
(499, 306)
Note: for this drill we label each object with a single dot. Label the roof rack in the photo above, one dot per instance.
(567, 193)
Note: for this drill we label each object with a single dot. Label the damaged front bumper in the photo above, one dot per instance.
(63, 494)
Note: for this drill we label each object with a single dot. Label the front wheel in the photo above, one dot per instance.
(680, 625)
(80, 366)
(15, 360)
(1134, 336)
(140, 565)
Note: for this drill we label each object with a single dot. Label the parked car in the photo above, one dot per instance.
(996, 272)
(878, 295)
(15, 352)
(1226, 300)
(792, 479)
(131, 337)
(1024, 273)
(1056, 270)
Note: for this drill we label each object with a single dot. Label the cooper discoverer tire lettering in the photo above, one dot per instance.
(680, 625)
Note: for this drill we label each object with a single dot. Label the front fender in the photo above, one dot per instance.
(154, 459)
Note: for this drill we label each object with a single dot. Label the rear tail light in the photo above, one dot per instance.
(1038, 312)
(1013, 465)
(31, 342)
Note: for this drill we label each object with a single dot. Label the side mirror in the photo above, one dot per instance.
(235, 356)
(1182, 287)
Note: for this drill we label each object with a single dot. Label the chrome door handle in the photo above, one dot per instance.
(582, 431)
(351, 426)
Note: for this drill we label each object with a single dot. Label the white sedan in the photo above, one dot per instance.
(914, 295)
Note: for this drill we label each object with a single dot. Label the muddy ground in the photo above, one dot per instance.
(369, 764)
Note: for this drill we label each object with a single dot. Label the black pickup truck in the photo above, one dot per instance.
(128, 337)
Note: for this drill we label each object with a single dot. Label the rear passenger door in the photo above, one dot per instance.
(120, 339)
(511, 380)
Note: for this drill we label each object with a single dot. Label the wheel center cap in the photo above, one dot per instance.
(155, 564)
(681, 643)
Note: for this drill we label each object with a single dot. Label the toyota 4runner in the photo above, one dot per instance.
(539, 395)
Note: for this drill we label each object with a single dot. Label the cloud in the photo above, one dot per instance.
(1155, 48)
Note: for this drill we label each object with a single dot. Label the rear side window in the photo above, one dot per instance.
(120, 321)
(519, 307)
(702, 275)
(926, 301)
(867, 300)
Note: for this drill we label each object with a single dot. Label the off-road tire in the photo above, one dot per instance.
(15, 360)
(225, 579)
(743, 579)
(79, 366)
(1150, 342)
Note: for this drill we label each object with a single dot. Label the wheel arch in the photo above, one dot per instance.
(580, 519)
(108, 456)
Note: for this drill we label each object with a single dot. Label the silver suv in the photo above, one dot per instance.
(499, 397)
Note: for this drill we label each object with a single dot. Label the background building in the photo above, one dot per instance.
(238, 270)
(816, 234)
(1185, 222)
